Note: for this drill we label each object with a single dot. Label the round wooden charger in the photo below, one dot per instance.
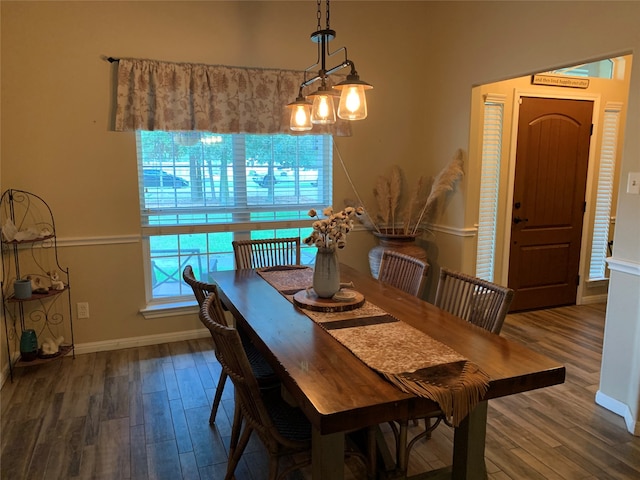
(328, 305)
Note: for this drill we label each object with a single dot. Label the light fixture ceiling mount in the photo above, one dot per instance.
(353, 102)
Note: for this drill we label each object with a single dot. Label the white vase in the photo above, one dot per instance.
(326, 273)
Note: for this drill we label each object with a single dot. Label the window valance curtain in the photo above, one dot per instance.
(155, 95)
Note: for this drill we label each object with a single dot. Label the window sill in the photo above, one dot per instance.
(162, 310)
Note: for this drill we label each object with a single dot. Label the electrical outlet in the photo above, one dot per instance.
(83, 310)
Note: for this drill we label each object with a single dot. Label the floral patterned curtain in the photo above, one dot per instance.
(154, 95)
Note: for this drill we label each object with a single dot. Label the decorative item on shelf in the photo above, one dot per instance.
(37, 286)
(399, 219)
(10, 233)
(28, 345)
(353, 102)
(56, 283)
(329, 234)
(22, 289)
(51, 347)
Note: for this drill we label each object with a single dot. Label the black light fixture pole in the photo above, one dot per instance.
(353, 103)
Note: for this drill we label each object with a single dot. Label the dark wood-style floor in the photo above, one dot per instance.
(142, 413)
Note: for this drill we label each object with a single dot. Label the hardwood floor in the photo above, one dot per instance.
(143, 414)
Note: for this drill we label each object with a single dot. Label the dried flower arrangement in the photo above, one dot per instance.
(411, 218)
(331, 232)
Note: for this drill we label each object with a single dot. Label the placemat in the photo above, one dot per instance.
(404, 355)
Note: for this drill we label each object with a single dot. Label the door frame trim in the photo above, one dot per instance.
(587, 217)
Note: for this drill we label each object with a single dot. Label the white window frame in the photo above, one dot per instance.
(241, 226)
(493, 125)
(604, 193)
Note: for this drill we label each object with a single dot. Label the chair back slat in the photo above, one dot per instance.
(478, 301)
(266, 252)
(403, 271)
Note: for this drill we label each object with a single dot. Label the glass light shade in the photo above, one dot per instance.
(353, 103)
(323, 112)
(300, 117)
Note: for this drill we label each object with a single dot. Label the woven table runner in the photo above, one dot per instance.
(404, 355)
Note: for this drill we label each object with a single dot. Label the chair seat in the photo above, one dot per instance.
(288, 420)
(261, 369)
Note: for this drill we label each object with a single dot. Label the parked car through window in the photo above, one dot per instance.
(159, 178)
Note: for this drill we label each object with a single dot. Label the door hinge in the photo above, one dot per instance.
(578, 280)
(591, 131)
(584, 207)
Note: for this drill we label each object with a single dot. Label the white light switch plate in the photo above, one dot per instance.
(633, 184)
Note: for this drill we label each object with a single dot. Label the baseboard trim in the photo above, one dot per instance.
(120, 343)
(591, 299)
(619, 408)
(6, 374)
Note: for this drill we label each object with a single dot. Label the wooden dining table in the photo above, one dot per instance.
(339, 393)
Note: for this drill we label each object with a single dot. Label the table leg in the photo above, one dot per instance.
(402, 456)
(468, 446)
(327, 456)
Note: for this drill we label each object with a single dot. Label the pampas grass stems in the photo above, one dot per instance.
(442, 184)
(395, 188)
(415, 202)
(387, 193)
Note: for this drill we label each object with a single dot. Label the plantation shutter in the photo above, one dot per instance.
(489, 185)
(602, 220)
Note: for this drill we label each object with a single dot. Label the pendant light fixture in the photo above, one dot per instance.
(318, 107)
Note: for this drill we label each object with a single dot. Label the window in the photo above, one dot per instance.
(599, 69)
(489, 185)
(199, 191)
(606, 177)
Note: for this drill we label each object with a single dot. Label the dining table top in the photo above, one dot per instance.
(336, 390)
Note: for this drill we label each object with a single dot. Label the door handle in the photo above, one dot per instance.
(518, 220)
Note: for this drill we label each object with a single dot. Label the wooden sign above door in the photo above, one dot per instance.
(560, 81)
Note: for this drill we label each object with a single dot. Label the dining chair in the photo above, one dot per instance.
(266, 252)
(478, 301)
(282, 428)
(403, 271)
(408, 274)
(263, 372)
(475, 300)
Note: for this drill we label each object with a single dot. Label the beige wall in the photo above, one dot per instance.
(423, 58)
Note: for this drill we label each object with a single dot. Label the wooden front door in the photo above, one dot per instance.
(552, 156)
